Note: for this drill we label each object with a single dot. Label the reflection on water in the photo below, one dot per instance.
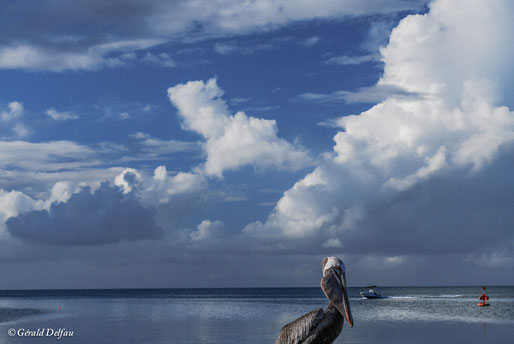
(10, 314)
(408, 315)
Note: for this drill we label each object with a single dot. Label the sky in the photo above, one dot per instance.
(236, 143)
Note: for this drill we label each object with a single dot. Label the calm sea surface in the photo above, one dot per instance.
(407, 315)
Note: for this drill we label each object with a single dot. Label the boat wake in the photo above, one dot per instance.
(424, 297)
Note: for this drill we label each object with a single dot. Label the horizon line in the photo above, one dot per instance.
(290, 287)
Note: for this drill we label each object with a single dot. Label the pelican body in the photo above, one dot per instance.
(323, 326)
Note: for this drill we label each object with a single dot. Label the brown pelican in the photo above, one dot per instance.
(318, 326)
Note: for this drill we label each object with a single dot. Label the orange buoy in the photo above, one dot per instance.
(483, 298)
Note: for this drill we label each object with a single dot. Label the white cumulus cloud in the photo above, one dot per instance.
(446, 145)
(161, 186)
(15, 110)
(12, 117)
(13, 203)
(232, 141)
(208, 229)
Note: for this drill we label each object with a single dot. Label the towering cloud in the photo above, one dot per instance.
(426, 173)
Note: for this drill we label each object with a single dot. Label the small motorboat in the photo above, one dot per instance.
(371, 293)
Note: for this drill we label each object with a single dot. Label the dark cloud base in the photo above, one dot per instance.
(104, 217)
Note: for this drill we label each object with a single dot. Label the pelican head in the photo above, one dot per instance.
(334, 286)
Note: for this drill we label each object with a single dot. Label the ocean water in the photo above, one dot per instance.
(406, 315)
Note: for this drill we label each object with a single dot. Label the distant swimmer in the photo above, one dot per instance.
(483, 298)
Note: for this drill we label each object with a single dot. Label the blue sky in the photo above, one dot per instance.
(199, 144)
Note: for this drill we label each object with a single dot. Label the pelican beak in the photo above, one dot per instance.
(346, 302)
(334, 286)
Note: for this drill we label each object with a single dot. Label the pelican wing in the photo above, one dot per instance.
(296, 331)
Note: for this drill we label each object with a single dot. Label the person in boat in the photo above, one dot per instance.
(483, 298)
